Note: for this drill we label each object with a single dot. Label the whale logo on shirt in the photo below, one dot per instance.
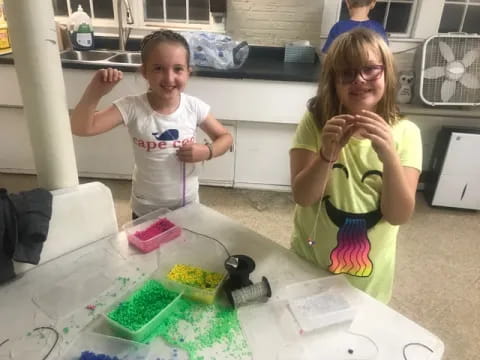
(167, 135)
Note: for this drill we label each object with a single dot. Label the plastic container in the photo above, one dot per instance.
(82, 31)
(322, 302)
(108, 345)
(299, 54)
(142, 333)
(197, 251)
(137, 230)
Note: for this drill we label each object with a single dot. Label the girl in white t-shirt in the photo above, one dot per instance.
(162, 123)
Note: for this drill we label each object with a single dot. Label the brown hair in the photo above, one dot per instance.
(350, 51)
(360, 3)
(160, 36)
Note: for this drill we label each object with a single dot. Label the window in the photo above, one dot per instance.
(149, 12)
(96, 9)
(460, 16)
(185, 11)
(395, 15)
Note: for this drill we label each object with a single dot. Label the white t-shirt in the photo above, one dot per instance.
(159, 178)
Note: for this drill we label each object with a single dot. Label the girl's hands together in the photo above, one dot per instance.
(373, 127)
(335, 134)
(193, 153)
(104, 81)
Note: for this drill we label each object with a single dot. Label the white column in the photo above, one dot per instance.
(37, 63)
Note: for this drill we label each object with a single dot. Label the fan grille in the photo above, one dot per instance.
(433, 57)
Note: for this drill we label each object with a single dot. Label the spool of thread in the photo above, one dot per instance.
(256, 292)
(239, 274)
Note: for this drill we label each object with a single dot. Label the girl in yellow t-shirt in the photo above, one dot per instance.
(355, 165)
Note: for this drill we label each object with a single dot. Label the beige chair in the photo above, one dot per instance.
(80, 215)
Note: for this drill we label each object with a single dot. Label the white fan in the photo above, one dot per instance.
(450, 63)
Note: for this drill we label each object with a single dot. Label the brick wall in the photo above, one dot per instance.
(274, 22)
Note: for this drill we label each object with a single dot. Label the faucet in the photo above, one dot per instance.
(123, 32)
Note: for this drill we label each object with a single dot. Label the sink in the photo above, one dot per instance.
(102, 58)
(126, 58)
(92, 55)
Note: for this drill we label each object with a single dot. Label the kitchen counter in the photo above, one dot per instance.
(263, 63)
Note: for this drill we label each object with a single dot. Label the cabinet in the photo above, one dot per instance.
(262, 156)
(455, 169)
(219, 171)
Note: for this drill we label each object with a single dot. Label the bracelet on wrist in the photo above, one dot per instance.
(210, 150)
(324, 158)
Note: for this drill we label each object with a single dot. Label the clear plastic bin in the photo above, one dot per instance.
(142, 333)
(194, 250)
(108, 345)
(322, 302)
(136, 227)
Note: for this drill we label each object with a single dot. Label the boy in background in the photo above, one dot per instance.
(358, 10)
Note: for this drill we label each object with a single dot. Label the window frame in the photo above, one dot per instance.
(142, 25)
(411, 21)
(465, 4)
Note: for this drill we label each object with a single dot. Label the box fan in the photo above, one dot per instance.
(450, 70)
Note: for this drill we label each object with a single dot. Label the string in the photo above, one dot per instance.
(56, 338)
(416, 344)
(211, 238)
(313, 233)
(377, 349)
(350, 351)
(183, 175)
(183, 183)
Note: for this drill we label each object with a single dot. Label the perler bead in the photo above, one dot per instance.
(194, 276)
(158, 227)
(142, 306)
(89, 355)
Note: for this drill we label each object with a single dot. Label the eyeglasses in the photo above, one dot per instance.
(368, 73)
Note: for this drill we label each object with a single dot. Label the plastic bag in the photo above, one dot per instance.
(216, 50)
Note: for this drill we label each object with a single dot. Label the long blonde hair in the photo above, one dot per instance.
(350, 51)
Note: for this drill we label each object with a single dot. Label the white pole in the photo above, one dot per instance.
(39, 71)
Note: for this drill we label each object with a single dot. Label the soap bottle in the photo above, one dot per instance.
(5, 46)
(81, 30)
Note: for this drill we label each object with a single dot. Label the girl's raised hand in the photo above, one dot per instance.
(193, 153)
(375, 128)
(335, 134)
(104, 81)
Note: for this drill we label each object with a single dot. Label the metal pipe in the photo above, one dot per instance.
(39, 73)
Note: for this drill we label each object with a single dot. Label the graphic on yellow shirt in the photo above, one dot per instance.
(351, 255)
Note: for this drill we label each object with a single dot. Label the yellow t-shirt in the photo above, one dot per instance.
(351, 236)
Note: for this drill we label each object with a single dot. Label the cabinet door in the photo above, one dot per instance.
(462, 155)
(458, 191)
(107, 155)
(262, 159)
(218, 171)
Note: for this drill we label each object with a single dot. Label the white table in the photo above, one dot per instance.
(52, 294)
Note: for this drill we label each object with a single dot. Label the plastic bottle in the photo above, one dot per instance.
(82, 32)
(5, 46)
